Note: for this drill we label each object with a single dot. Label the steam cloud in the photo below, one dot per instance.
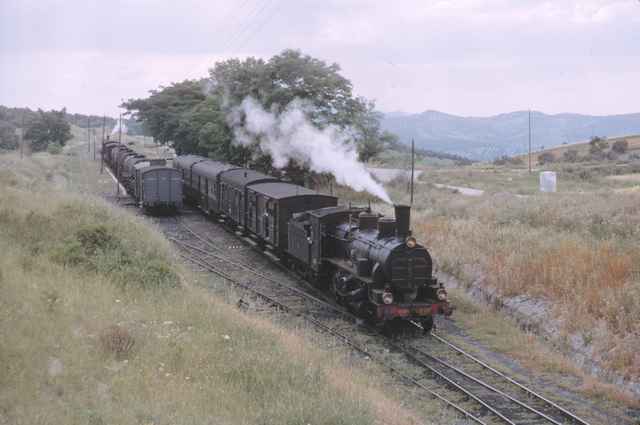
(290, 135)
(117, 127)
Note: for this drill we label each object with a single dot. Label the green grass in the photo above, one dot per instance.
(101, 324)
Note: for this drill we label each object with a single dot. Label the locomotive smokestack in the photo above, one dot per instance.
(403, 220)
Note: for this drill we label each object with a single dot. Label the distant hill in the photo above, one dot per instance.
(487, 138)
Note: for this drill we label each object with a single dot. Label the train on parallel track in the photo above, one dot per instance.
(370, 263)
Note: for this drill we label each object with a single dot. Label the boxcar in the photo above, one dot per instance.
(158, 186)
(184, 164)
(271, 205)
(233, 192)
(206, 177)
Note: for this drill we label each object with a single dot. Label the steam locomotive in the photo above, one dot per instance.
(371, 264)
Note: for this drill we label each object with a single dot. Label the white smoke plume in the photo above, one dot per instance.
(290, 135)
(116, 128)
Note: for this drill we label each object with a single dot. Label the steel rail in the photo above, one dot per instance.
(482, 383)
(266, 277)
(208, 266)
(414, 358)
(529, 391)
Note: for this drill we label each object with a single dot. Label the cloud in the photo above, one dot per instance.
(462, 56)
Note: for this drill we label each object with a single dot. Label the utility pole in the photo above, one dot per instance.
(104, 124)
(529, 141)
(413, 165)
(120, 130)
(22, 135)
(89, 134)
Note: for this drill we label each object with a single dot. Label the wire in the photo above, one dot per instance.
(260, 7)
(260, 26)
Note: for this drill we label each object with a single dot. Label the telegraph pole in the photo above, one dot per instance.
(104, 123)
(529, 141)
(120, 130)
(413, 165)
(22, 136)
(89, 134)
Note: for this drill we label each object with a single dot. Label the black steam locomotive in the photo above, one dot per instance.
(370, 263)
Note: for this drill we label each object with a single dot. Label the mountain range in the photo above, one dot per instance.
(486, 138)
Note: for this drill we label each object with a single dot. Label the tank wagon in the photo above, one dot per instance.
(155, 186)
(370, 263)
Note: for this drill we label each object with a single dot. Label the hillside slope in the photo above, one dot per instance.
(505, 134)
(102, 325)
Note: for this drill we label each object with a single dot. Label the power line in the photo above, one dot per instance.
(261, 25)
(233, 21)
(259, 10)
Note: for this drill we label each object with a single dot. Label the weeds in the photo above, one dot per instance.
(90, 267)
(117, 341)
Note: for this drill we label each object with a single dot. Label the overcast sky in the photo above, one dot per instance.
(466, 57)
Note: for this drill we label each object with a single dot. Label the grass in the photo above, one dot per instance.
(100, 325)
(577, 250)
(571, 178)
(583, 147)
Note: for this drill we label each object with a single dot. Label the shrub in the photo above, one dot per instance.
(507, 160)
(8, 137)
(116, 340)
(54, 149)
(597, 145)
(620, 146)
(612, 155)
(570, 155)
(545, 158)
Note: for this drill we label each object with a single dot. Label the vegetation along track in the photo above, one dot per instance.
(432, 364)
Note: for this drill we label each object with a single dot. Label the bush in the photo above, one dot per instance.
(545, 158)
(54, 149)
(612, 155)
(620, 146)
(570, 155)
(597, 145)
(507, 160)
(8, 137)
(116, 340)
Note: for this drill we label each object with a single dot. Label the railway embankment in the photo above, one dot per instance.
(102, 324)
(564, 266)
(536, 315)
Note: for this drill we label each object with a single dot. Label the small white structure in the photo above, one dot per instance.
(548, 181)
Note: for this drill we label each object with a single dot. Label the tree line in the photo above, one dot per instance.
(44, 130)
(192, 115)
(51, 130)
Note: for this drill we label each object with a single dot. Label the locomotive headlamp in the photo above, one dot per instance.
(411, 242)
(387, 297)
(442, 294)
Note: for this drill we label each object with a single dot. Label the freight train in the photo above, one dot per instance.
(371, 264)
(153, 185)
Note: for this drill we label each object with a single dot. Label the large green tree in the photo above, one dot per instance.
(8, 135)
(193, 116)
(48, 127)
(165, 112)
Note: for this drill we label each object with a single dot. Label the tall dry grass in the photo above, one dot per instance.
(96, 328)
(580, 252)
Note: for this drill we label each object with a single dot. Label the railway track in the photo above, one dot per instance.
(433, 365)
